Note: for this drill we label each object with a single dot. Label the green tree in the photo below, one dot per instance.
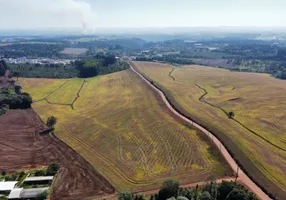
(140, 197)
(125, 196)
(53, 169)
(182, 198)
(211, 188)
(43, 195)
(169, 189)
(171, 198)
(231, 114)
(40, 172)
(206, 196)
(236, 194)
(18, 89)
(3, 173)
(225, 188)
(251, 196)
(51, 122)
(2, 69)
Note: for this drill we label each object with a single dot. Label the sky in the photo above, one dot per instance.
(95, 14)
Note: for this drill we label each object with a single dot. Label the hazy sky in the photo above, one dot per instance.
(92, 14)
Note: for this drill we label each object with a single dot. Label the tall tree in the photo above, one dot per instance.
(51, 122)
(169, 189)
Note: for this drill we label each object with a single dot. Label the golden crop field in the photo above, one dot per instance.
(126, 132)
(256, 135)
(41, 88)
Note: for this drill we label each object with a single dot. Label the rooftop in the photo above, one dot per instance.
(20, 193)
(7, 186)
(40, 178)
(32, 193)
(15, 193)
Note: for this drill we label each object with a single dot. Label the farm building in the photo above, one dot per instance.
(38, 180)
(6, 187)
(20, 193)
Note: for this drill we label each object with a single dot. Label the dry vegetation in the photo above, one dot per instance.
(128, 135)
(256, 135)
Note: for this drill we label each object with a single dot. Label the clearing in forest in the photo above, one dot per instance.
(256, 133)
(121, 127)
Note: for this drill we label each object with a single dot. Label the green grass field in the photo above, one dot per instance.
(256, 135)
(121, 127)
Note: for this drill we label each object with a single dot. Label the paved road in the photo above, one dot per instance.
(242, 177)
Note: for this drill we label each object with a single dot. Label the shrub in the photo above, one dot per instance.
(53, 169)
(43, 195)
(40, 172)
(125, 196)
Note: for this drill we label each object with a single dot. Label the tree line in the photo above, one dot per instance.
(98, 65)
(14, 98)
(171, 190)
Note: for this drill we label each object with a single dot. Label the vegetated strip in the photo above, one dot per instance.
(45, 98)
(252, 182)
(192, 185)
(237, 121)
(60, 104)
(78, 94)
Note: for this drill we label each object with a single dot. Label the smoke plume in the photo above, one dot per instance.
(48, 13)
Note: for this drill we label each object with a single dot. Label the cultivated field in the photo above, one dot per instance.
(256, 135)
(74, 51)
(23, 147)
(120, 126)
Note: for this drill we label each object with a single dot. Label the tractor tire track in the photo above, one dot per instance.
(242, 177)
(78, 94)
(46, 97)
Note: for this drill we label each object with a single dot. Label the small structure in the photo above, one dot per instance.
(6, 187)
(15, 193)
(38, 180)
(20, 193)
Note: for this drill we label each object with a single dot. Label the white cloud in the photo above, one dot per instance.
(27, 14)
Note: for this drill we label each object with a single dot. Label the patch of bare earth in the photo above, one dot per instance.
(22, 146)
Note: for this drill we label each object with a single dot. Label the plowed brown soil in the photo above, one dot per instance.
(22, 146)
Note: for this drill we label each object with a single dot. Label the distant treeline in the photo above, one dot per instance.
(98, 65)
(173, 59)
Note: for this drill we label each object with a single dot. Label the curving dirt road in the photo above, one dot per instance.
(242, 177)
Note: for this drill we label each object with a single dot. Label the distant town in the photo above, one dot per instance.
(40, 61)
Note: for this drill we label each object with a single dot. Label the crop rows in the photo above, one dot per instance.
(256, 135)
(120, 126)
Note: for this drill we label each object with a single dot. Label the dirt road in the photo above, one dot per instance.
(242, 177)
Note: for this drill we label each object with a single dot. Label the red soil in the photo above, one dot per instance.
(23, 147)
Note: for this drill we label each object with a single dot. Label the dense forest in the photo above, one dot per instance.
(170, 190)
(98, 65)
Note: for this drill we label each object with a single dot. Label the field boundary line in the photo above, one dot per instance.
(52, 92)
(78, 93)
(242, 177)
(201, 99)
